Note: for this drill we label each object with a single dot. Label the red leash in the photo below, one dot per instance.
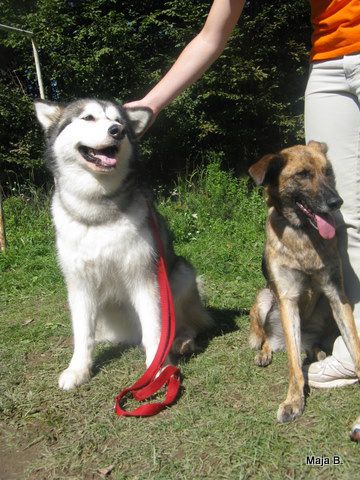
(148, 385)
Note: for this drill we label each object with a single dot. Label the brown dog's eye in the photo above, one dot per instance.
(304, 174)
(89, 118)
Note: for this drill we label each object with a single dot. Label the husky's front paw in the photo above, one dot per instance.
(71, 378)
(290, 411)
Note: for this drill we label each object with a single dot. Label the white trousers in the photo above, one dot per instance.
(332, 115)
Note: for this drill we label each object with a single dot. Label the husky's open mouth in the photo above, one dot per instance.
(104, 158)
(324, 223)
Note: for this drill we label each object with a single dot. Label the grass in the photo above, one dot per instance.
(223, 425)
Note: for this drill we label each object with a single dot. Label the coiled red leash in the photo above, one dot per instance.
(148, 385)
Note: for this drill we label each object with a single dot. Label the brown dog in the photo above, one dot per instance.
(301, 263)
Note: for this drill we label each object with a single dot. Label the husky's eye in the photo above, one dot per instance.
(304, 174)
(89, 118)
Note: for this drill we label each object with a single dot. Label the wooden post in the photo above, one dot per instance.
(2, 226)
(35, 52)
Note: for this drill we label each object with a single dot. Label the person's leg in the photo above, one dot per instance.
(332, 115)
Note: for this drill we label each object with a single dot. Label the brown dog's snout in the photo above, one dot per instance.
(330, 196)
(334, 202)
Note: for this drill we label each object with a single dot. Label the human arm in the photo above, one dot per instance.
(196, 57)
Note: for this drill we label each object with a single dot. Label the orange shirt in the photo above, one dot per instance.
(336, 25)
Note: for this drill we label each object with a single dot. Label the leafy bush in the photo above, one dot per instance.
(248, 103)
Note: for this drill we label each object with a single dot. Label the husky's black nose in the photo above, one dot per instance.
(334, 202)
(116, 131)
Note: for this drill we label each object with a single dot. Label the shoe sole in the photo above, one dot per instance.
(339, 382)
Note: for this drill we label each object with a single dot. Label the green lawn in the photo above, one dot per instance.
(224, 423)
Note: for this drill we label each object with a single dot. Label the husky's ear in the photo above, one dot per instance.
(47, 113)
(140, 118)
(267, 169)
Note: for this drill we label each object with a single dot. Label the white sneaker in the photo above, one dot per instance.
(328, 373)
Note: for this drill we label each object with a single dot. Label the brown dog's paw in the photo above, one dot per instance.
(355, 435)
(263, 359)
(355, 431)
(290, 411)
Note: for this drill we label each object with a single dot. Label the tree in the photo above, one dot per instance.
(247, 104)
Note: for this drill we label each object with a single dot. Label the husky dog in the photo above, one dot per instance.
(104, 242)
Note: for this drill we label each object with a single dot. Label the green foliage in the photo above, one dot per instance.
(210, 196)
(223, 426)
(214, 216)
(248, 103)
(31, 254)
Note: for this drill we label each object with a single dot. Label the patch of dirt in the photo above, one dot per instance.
(15, 461)
(18, 449)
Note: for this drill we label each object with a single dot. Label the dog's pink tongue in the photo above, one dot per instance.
(106, 160)
(326, 226)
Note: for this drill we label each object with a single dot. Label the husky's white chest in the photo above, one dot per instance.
(108, 257)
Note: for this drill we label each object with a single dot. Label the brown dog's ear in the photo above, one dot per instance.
(319, 146)
(267, 169)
